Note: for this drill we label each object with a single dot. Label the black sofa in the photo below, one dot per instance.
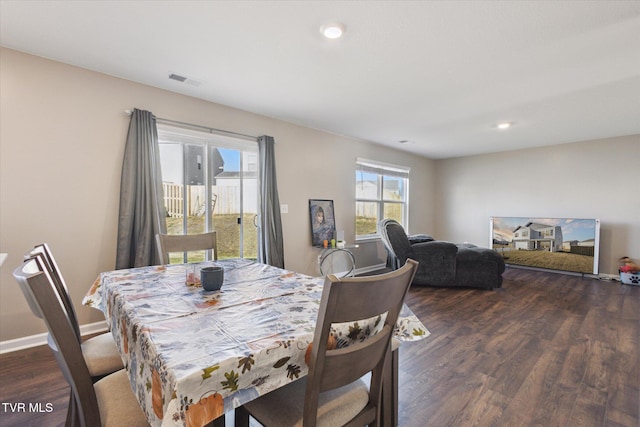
(442, 263)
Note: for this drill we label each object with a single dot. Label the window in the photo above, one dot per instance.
(210, 184)
(381, 192)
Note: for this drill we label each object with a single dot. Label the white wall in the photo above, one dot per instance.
(591, 179)
(62, 138)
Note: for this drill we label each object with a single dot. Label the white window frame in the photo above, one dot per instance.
(383, 169)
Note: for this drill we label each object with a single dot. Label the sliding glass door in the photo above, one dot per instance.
(210, 184)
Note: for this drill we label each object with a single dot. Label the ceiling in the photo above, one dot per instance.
(439, 74)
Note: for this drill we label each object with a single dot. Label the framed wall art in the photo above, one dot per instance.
(323, 223)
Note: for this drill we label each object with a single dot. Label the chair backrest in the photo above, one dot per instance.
(349, 300)
(395, 239)
(168, 243)
(40, 289)
(47, 260)
(31, 268)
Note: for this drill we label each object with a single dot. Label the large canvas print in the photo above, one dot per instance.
(568, 244)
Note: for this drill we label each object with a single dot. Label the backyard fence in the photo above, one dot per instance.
(583, 250)
(224, 200)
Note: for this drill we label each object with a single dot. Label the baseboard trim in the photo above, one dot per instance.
(40, 339)
(370, 268)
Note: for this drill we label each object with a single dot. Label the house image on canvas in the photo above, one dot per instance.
(534, 236)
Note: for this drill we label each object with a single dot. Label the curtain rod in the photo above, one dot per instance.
(208, 129)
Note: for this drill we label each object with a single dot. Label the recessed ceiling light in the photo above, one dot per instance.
(505, 125)
(333, 31)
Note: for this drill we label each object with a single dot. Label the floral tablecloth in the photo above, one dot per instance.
(193, 355)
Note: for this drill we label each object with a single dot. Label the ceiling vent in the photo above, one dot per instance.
(184, 79)
(177, 77)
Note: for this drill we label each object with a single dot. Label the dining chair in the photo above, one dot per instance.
(108, 402)
(334, 393)
(100, 352)
(168, 243)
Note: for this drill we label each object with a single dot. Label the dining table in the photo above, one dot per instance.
(193, 355)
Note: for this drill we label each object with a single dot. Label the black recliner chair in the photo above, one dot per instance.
(442, 263)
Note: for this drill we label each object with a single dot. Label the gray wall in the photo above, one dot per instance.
(591, 179)
(61, 145)
(62, 138)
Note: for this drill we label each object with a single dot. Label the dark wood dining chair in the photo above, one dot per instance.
(334, 393)
(169, 243)
(108, 402)
(100, 352)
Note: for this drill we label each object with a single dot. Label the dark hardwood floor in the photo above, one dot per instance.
(545, 350)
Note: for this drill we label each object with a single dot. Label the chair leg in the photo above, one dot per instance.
(390, 392)
(72, 415)
(241, 417)
(395, 355)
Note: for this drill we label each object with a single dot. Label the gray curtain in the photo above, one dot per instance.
(141, 214)
(270, 249)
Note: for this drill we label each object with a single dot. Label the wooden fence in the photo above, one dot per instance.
(583, 250)
(225, 200)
